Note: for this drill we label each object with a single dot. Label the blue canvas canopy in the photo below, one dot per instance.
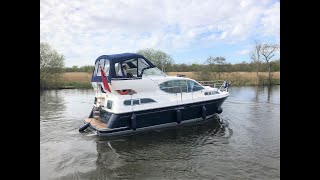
(111, 60)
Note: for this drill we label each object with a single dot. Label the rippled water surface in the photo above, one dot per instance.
(243, 144)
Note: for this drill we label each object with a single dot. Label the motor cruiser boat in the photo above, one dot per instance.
(132, 95)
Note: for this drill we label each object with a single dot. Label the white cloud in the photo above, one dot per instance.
(271, 21)
(244, 52)
(84, 30)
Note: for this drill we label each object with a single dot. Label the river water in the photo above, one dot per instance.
(243, 144)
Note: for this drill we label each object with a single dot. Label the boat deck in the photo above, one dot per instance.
(96, 123)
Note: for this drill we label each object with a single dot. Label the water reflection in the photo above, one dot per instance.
(50, 102)
(255, 117)
(141, 155)
(260, 92)
(269, 92)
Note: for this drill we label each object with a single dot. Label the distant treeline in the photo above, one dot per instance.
(239, 67)
(79, 69)
(52, 67)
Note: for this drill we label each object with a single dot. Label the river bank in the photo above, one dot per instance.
(81, 80)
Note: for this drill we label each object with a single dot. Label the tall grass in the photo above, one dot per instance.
(236, 78)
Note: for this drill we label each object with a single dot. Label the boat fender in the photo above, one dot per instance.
(84, 127)
(178, 116)
(123, 92)
(219, 110)
(204, 112)
(133, 121)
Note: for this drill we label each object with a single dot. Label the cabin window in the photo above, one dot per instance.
(100, 63)
(96, 68)
(135, 102)
(153, 71)
(194, 86)
(138, 102)
(127, 102)
(167, 86)
(211, 93)
(109, 104)
(182, 84)
(106, 67)
(132, 67)
(174, 86)
(142, 65)
(117, 67)
(136, 66)
(146, 100)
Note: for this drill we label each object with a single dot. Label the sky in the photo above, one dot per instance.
(188, 30)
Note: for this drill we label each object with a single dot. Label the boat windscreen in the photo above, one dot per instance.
(96, 74)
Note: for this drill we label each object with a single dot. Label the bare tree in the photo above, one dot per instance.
(267, 52)
(255, 57)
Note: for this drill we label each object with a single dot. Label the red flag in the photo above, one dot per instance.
(104, 80)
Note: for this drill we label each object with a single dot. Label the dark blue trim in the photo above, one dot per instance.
(165, 115)
(114, 58)
(99, 79)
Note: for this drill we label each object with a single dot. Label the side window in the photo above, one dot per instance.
(174, 86)
(142, 64)
(167, 86)
(116, 68)
(100, 63)
(135, 102)
(211, 93)
(106, 67)
(146, 100)
(182, 84)
(153, 71)
(127, 102)
(194, 86)
(190, 85)
(132, 67)
(109, 104)
(96, 68)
